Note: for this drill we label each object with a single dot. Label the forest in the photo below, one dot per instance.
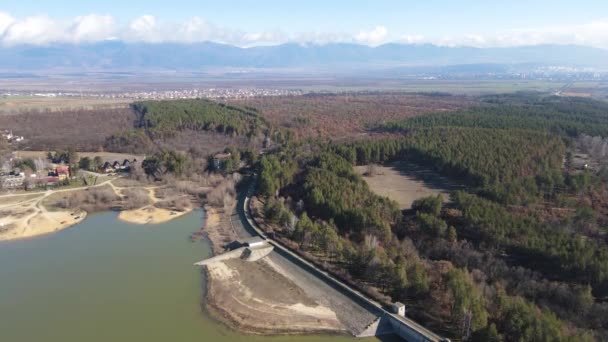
(571, 116)
(167, 117)
(181, 124)
(521, 255)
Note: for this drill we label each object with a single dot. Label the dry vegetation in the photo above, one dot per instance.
(404, 183)
(204, 142)
(81, 129)
(344, 116)
(135, 198)
(91, 200)
(12, 104)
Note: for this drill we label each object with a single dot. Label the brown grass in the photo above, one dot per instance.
(15, 104)
(135, 198)
(91, 200)
(399, 182)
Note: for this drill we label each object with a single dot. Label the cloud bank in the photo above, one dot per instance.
(44, 30)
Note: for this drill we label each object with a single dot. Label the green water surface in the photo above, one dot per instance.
(106, 280)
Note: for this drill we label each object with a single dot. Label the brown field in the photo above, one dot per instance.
(82, 129)
(578, 93)
(347, 115)
(404, 183)
(15, 104)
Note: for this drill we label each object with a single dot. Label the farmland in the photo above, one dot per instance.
(16, 104)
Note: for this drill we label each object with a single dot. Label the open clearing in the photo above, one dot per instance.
(406, 182)
(13, 104)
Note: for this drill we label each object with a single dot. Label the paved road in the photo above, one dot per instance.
(354, 316)
(350, 299)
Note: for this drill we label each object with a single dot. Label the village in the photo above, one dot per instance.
(25, 171)
(19, 173)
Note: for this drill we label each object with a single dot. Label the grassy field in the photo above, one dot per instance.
(404, 182)
(598, 90)
(14, 104)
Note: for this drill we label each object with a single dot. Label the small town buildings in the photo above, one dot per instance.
(62, 172)
(107, 168)
(12, 180)
(47, 181)
(126, 164)
(116, 166)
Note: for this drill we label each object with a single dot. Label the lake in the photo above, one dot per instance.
(106, 280)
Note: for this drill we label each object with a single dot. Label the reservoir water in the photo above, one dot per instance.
(106, 280)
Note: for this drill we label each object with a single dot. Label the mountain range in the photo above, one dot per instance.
(118, 55)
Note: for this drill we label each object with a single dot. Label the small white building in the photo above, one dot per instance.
(254, 242)
(219, 159)
(12, 181)
(398, 308)
(11, 137)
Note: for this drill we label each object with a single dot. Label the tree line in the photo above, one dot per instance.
(557, 115)
(520, 256)
(166, 117)
(317, 201)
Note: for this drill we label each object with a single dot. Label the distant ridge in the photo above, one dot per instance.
(117, 55)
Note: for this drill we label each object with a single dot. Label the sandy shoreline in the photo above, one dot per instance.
(26, 215)
(150, 215)
(37, 223)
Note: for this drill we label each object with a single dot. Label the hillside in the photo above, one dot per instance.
(117, 55)
(518, 254)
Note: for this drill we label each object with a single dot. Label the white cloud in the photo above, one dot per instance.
(90, 28)
(194, 29)
(594, 33)
(148, 28)
(374, 37)
(42, 29)
(412, 39)
(34, 30)
(144, 29)
(322, 38)
(5, 21)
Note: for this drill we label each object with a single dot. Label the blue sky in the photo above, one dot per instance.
(473, 22)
